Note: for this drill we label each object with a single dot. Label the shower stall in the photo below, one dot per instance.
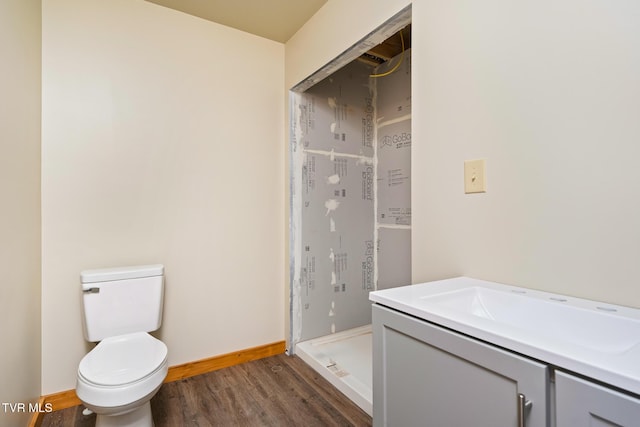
(350, 203)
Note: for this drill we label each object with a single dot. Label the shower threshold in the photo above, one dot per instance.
(344, 359)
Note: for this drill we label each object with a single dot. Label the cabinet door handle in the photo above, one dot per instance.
(524, 407)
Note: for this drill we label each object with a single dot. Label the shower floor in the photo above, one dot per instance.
(344, 359)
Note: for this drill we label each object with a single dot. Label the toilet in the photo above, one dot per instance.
(118, 378)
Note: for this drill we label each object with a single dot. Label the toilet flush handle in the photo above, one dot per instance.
(91, 291)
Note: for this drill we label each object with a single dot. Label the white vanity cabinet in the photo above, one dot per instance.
(580, 402)
(425, 375)
(466, 352)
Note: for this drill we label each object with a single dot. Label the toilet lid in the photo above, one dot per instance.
(123, 359)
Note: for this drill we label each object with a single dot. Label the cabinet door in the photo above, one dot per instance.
(426, 375)
(583, 403)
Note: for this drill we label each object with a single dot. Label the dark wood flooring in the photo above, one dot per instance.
(275, 391)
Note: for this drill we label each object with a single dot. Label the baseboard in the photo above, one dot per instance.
(68, 399)
(37, 417)
(211, 364)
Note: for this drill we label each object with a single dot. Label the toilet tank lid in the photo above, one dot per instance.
(121, 273)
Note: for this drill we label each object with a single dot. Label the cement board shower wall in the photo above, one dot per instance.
(336, 248)
(338, 113)
(393, 111)
(334, 198)
(393, 172)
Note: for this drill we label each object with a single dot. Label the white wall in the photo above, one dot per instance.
(146, 157)
(549, 93)
(546, 91)
(20, 213)
(162, 143)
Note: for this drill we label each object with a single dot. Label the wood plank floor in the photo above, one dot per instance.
(275, 391)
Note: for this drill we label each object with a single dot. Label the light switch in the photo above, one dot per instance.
(474, 176)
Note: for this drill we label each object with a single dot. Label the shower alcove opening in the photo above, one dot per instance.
(350, 212)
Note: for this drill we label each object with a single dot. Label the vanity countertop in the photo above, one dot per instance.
(597, 340)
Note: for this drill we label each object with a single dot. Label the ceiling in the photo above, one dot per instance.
(273, 19)
(278, 20)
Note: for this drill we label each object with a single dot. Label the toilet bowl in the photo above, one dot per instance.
(117, 379)
(120, 375)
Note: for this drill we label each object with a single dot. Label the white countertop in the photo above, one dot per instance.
(597, 340)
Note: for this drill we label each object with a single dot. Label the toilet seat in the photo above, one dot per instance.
(123, 359)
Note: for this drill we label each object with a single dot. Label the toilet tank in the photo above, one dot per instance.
(122, 300)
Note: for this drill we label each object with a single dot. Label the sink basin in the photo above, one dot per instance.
(595, 339)
(595, 329)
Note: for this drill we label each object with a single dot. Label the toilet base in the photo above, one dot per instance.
(140, 417)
